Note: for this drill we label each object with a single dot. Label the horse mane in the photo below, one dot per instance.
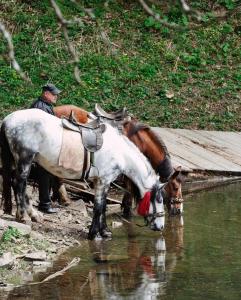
(165, 168)
(135, 127)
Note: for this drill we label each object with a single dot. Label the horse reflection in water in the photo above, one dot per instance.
(143, 270)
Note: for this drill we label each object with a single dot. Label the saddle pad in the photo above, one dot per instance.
(71, 155)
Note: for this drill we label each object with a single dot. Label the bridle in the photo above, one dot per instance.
(151, 217)
(173, 200)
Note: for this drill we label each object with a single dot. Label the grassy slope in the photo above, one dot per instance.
(200, 68)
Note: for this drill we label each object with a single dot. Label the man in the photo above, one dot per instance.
(45, 180)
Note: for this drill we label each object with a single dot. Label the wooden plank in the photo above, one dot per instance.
(203, 150)
(74, 188)
(192, 153)
(78, 184)
(221, 144)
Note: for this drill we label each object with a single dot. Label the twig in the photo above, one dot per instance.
(157, 16)
(11, 53)
(185, 7)
(72, 264)
(188, 10)
(104, 36)
(128, 222)
(63, 22)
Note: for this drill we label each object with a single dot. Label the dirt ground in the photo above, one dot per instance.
(41, 243)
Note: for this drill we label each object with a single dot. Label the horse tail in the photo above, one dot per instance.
(7, 162)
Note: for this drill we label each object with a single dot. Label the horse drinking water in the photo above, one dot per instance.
(151, 145)
(34, 136)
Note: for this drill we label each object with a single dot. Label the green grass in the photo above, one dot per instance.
(201, 67)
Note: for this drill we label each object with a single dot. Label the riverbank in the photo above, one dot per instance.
(27, 249)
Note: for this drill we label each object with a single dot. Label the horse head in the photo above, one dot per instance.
(151, 207)
(172, 193)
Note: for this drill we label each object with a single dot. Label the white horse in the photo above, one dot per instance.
(34, 136)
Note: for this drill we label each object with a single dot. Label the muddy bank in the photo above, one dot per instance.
(32, 247)
(26, 249)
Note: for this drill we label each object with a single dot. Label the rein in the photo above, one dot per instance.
(143, 208)
(151, 217)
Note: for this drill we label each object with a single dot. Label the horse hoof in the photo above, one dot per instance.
(22, 220)
(8, 211)
(127, 216)
(36, 218)
(65, 203)
(98, 237)
(106, 233)
(93, 236)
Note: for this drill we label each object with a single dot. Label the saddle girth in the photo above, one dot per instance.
(92, 138)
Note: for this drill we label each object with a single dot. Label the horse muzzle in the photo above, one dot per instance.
(156, 221)
(176, 207)
(154, 227)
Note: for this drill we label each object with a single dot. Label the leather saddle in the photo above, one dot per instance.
(118, 115)
(91, 132)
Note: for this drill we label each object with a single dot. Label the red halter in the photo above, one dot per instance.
(144, 205)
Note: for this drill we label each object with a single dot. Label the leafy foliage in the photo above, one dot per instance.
(143, 63)
(10, 233)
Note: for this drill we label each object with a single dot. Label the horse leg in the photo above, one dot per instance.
(128, 199)
(104, 230)
(6, 162)
(63, 196)
(59, 192)
(33, 214)
(19, 185)
(126, 205)
(98, 226)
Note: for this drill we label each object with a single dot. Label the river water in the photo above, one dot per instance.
(197, 257)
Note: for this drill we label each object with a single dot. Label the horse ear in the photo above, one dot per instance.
(162, 185)
(179, 168)
(176, 172)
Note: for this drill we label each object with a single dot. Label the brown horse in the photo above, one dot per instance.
(153, 148)
(65, 111)
(156, 151)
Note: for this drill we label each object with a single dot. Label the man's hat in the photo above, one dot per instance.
(51, 88)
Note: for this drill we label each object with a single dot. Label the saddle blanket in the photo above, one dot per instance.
(71, 155)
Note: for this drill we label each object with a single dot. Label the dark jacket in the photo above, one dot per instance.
(45, 106)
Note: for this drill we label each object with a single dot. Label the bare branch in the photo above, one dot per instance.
(11, 54)
(185, 7)
(157, 16)
(188, 10)
(103, 34)
(63, 22)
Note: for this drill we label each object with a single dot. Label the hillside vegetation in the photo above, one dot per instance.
(168, 78)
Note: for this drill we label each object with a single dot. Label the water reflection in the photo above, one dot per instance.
(141, 271)
(146, 265)
(139, 266)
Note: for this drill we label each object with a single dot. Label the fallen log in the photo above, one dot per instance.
(76, 189)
